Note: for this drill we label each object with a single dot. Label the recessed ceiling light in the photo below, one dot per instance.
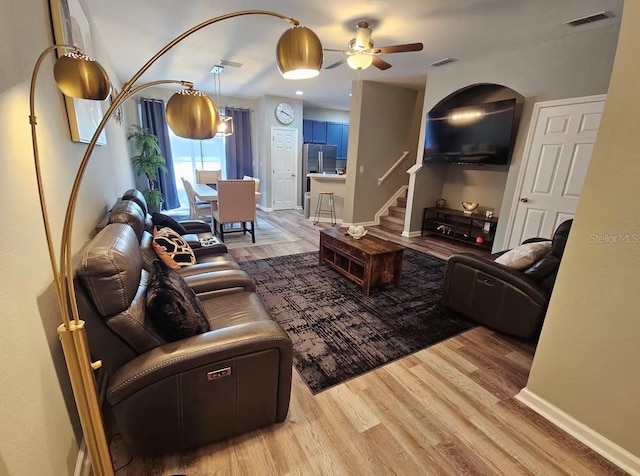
(299, 93)
(349, 94)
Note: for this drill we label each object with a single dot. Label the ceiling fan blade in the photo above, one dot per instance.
(380, 63)
(331, 49)
(337, 63)
(383, 50)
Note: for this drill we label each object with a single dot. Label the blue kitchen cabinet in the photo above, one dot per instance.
(307, 130)
(344, 142)
(334, 135)
(319, 133)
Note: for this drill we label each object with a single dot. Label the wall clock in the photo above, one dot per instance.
(285, 113)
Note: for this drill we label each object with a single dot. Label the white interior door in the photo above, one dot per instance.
(555, 167)
(284, 163)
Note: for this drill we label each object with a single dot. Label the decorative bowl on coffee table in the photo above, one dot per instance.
(357, 232)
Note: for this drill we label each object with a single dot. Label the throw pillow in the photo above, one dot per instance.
(160, 220)
(172, 249)
(172, 305)
(523, 256)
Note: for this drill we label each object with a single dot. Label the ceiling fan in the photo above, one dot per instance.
(361, 53)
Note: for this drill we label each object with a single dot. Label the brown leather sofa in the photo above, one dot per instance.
(501, 298)
(200, 238)
(170, 396)
(210, 257)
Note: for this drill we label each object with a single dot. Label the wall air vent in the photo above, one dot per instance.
(444, 61)
(589, 19)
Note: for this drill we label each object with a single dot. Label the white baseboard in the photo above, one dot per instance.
(411, 234)
(594, 440)
(83, 463)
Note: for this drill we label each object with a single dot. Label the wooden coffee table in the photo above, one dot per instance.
(368, 261)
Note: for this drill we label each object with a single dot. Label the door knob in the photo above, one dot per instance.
(524, 200)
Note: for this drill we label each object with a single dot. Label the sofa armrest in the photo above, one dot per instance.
(206, 284)
(178, 357)
(502, 273)
(534, 240)
(196, 226)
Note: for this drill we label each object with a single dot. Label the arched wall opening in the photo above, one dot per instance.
(484, 184)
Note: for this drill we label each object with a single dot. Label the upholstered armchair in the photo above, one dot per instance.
(512, 301)
(171, 394)
(236, 204)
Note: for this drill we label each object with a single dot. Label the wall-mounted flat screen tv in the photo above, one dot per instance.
(477, 134)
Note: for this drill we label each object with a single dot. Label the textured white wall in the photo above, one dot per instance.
(37, 413)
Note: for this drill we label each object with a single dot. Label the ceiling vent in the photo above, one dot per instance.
(589, 19)
(444, 61)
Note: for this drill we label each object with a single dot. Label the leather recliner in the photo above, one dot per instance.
(171, 396)
(501, 298)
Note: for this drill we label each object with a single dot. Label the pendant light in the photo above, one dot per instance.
(225, 126)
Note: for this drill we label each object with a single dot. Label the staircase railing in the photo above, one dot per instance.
(392, 168)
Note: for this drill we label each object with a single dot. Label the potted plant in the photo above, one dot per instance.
(147, 162)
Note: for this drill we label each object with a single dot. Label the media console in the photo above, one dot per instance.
(459, 226)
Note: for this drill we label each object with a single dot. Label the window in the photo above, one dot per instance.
(189, 155)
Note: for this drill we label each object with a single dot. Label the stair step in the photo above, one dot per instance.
(398, 212)
(402, 202)
(392, 223)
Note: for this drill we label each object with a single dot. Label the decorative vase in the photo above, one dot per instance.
(469, 207)
(441, 203)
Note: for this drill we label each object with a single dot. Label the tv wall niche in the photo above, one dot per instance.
(474, 126)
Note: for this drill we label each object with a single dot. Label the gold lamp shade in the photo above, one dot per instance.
(80, 76)
(192, 114)
(299, 53)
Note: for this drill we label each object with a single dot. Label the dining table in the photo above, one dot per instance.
(210, 194)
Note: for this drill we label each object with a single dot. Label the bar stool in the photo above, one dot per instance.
(324, 211)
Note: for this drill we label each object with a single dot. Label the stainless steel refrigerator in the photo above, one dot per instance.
(317, 158)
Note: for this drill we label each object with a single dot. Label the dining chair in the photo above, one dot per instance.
(197, 208)
(208, 177)
(236, 204)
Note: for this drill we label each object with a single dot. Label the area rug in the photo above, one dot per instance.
(337, 332)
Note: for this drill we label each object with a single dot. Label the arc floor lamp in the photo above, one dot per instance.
(190, 114)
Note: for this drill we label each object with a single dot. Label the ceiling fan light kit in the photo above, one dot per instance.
(361, 52)
(360, 61)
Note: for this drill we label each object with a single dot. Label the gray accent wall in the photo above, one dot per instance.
(383, 124)
(586, 362)
(39, 427)
(323, 114)
(267, 120)
(571, 66)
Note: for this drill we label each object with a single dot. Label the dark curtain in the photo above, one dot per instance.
(153, 118)
(238, 146)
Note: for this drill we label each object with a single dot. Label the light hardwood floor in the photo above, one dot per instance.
(448, 409)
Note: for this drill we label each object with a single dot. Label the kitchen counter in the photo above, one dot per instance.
(327, 176)
(333, 183)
